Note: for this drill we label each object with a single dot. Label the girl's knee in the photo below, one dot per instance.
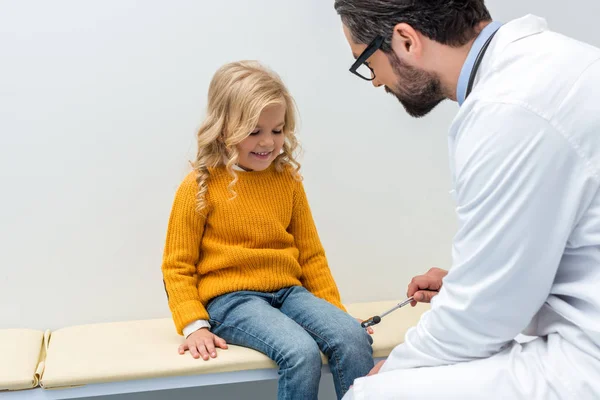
(303, 353)
(353, 339)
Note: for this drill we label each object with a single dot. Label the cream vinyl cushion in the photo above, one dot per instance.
(147, 349)
(21, 358)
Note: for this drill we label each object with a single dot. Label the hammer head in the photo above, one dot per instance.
(371, 321)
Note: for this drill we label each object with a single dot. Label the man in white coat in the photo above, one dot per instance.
(525, 166)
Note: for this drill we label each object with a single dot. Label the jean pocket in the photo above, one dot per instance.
(216, 302)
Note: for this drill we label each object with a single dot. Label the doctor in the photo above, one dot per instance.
(525, 165)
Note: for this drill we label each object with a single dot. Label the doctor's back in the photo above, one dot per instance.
(539, 94)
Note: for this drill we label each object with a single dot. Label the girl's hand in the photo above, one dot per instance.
(202, 344)
(369, 329)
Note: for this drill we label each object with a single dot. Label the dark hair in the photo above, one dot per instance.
(450, 22)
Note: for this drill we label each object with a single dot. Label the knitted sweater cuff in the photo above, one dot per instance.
(188, 312)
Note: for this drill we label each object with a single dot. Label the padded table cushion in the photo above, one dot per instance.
(21, 351)
(147, 349)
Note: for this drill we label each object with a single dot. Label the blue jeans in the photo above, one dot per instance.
(292, 327)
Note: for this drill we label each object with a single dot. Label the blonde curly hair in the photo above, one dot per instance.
(237, 94)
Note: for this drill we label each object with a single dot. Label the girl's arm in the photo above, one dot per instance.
(316, 275)
(181, 255)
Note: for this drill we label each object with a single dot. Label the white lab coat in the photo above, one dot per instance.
(525, 163)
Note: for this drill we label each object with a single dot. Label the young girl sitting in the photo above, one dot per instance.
(243, 263)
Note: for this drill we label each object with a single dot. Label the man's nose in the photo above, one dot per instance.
(376, 83)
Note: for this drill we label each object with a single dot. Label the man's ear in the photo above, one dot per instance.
(406, 42)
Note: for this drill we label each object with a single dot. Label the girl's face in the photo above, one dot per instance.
(259, 150)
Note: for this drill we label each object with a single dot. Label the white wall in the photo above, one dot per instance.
(100, 107)
(99, 103)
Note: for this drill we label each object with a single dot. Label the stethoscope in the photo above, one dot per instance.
(478, 63)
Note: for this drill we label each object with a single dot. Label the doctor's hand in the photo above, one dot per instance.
(424, 287)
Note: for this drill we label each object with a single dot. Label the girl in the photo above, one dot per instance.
(243, 263)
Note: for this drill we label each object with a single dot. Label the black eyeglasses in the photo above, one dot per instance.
(360, 67)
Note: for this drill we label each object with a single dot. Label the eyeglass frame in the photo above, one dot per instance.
(364, 56)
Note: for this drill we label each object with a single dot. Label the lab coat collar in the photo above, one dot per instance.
(508, 33)
(467, 69)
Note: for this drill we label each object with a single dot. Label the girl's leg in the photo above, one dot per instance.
(249, 319)
(339, 335)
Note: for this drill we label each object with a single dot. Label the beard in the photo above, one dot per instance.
(418, 91)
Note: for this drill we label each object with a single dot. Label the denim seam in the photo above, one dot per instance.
(260, 340)
(335, 355)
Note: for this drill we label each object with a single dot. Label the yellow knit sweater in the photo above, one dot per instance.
(263, 240)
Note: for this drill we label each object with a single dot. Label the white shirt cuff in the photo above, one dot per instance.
(194, 326)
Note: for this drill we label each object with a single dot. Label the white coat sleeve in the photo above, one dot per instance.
(519, 188)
